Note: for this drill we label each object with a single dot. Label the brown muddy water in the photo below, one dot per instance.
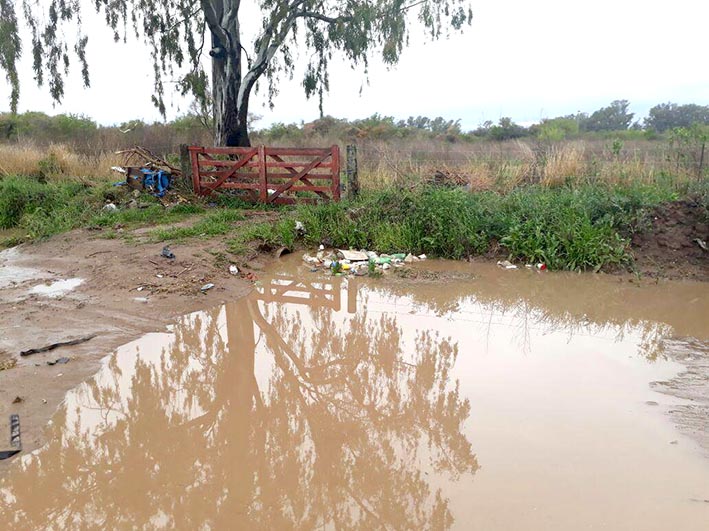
(466, 398)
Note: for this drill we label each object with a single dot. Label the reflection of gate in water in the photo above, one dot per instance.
(317, 293)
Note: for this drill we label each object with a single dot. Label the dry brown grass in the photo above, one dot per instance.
(55, 162)
(564, 162)
(500, 166)
(503, 166)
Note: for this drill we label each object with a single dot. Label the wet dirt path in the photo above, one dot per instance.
(466, 397)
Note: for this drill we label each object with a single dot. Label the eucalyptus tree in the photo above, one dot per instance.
(249, 43)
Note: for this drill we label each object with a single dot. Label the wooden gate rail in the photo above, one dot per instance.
(268, 175)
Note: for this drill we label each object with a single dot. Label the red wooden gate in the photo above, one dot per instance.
(268, 175)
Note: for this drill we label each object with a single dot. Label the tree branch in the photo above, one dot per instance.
(214, 22)
(325, 18)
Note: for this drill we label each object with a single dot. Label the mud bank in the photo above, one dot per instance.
(77, 285)
(669, 246)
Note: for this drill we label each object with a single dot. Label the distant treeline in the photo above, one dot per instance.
(614, 120)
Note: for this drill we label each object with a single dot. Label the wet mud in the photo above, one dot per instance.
(486, 399)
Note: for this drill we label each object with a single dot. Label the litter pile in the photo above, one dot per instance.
(506, 264)
(145, 171)
(343, 262)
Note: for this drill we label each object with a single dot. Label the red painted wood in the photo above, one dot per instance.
(297, 152)
(315, 176)
(209, 188)
(196, 178)
(263, 181)
(302, 173)
(336, 172)
(256, 170)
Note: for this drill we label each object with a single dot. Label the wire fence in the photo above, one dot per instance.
(480, 164)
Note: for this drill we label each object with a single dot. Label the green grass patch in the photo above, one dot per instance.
(574, 227)
(37, 210)
(214, 223)
(280, 233)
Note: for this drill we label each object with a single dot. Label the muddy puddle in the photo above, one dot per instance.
(462, 397)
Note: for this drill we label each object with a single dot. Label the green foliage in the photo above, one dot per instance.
(280, 233)
(615, 117)
(152, 215)
(41, 209)
(689, 146)
(616, 147)
(556, 129)
(506, 129)
(46, 208)
(176, 33)
(10, 49)
(666, 116)
(214, 223)
(40, 126)
(565, 228)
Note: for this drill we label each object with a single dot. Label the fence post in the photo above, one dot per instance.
(352, 173)
(196, 177)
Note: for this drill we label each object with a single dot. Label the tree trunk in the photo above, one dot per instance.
(230, 114)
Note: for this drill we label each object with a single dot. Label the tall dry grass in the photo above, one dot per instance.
(55, 162)
(506, 165)
(482, 165)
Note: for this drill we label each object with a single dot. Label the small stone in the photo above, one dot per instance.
(18, 400)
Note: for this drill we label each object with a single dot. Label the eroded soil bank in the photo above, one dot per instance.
(451, 396)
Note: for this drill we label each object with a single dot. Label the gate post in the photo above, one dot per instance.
(352, 173)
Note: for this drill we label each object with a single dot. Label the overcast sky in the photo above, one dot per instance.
(527, 60)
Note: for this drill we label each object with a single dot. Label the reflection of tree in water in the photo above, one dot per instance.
(548, 307)
(341, 437)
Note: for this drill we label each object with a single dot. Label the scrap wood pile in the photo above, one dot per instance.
(343, 262)
(449, 177)
(146, 171)
(138, 156)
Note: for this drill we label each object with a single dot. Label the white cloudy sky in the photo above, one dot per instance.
(523, 59)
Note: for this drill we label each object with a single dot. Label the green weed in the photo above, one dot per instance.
(214, 223)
